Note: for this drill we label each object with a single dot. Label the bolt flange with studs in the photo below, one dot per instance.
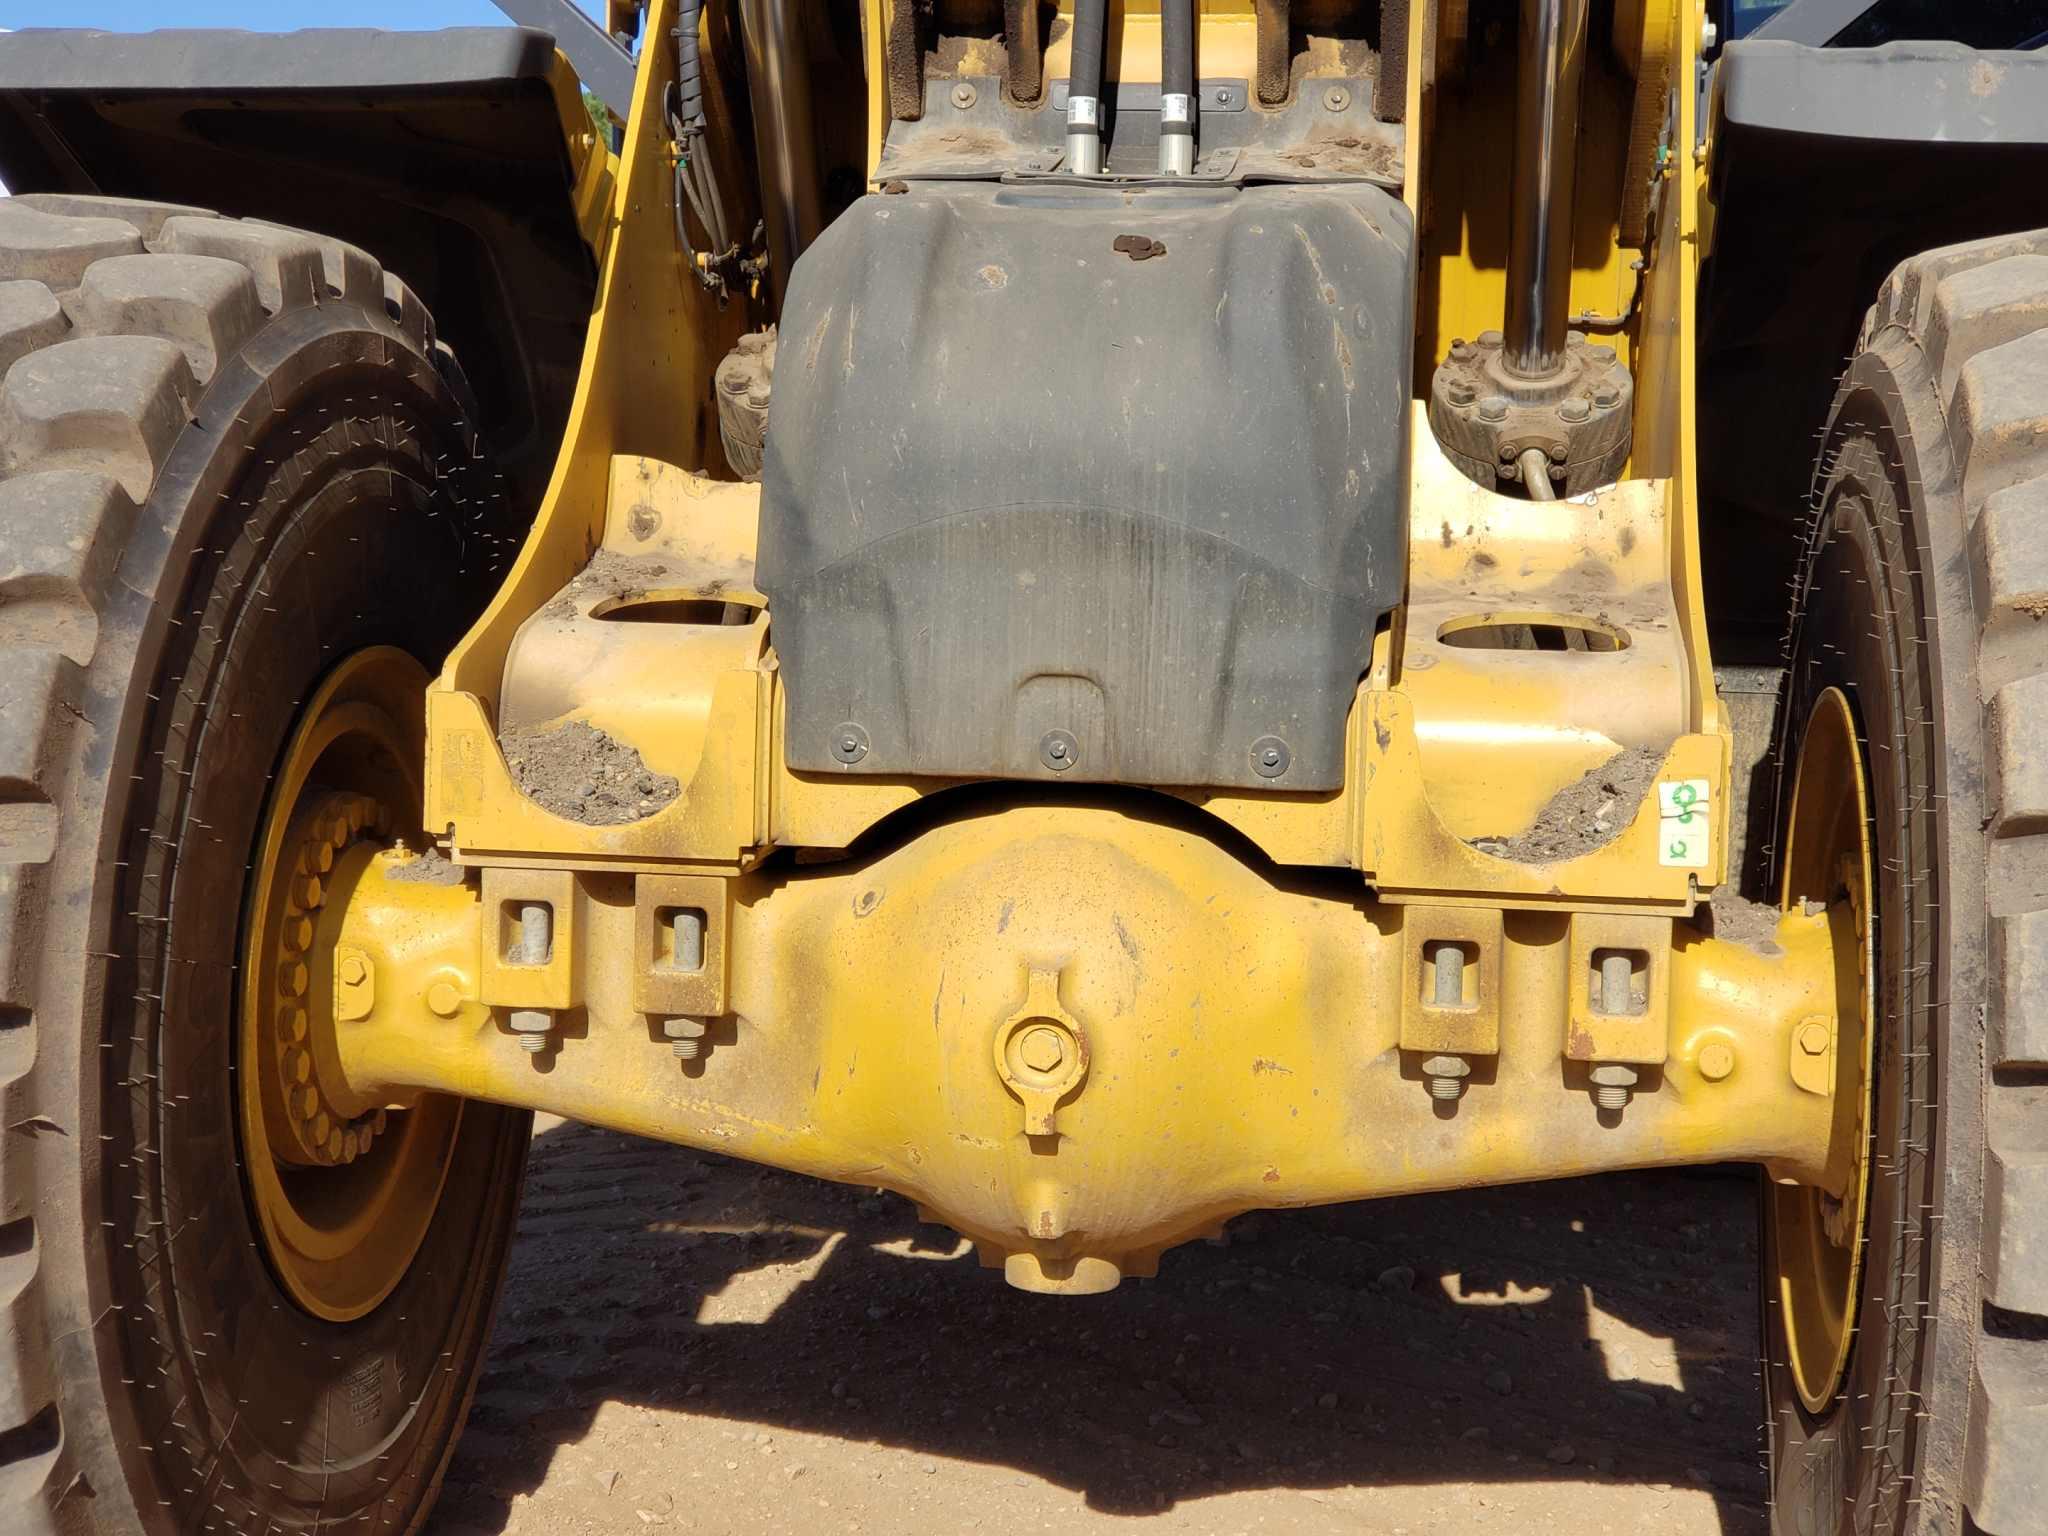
(316, 1130)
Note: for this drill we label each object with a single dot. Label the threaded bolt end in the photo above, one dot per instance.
(688, 1050)
(533, 1045)
(1446, 1087)
(1611, 1096)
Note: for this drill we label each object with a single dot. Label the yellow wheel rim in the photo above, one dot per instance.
(343, 1189)
(1818, 1231)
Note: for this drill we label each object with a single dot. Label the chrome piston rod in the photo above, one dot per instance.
(779, 80)
(1549, 74)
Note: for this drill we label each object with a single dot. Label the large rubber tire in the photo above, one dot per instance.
(230, 454)
(1924, 595)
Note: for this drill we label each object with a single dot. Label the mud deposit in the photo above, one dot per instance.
(689, 1344)
(578, 771)
(1582, 816)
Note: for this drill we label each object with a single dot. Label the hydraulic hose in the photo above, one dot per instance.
(1176, 87)
(1084, 88)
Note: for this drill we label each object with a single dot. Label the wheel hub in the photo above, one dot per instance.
(342, 1187)
(1817, 1230)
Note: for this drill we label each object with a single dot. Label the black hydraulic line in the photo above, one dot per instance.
(1176, 87)
(1024, 48)
(1084, 88)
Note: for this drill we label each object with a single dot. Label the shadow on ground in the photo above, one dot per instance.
(1597, 1331)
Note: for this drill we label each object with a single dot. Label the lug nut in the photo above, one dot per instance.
(1613, 1086)
(686, 1037)
(1446, 1074)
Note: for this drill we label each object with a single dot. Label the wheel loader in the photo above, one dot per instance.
(1100, 615)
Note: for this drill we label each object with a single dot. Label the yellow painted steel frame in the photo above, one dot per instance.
(1084, 1027)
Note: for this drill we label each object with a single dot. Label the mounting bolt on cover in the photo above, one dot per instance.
(963, 95)
(1270, 757)
(1336, 98)
(1058, 750)
(849, 742)
(1613, 1085)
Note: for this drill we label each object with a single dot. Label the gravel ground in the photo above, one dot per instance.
(697, 1345)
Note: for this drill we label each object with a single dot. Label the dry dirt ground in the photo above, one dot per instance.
(689, 1344)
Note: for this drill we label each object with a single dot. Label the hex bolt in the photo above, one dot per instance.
(1607, 396)
(1041, 1049)
(686, 1037)
(1450, 979)
(536, 933)
(1445, 1074)
(1617, 985)
(963, 95)
(1575, 409)
(531, 1025)
(1493, 408)
(1460, 392)
(688, 927)
(1613, 1085)
(1814, 1038)
(536, 938)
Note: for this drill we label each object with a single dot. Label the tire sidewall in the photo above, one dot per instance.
(1885, 612)
(233, 599)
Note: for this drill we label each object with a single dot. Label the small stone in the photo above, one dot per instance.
(608, 1479)
(1561, 1454)
(1500, 1381)
(930, 1467)
(877, 1314)
(1696, 1409)
(1398, 1277)
(1478, 1433)
(839, 1389)
(1327, 1400)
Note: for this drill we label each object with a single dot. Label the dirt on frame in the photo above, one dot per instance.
(687, 1344)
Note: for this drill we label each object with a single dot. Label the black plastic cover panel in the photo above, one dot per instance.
(1034, 507)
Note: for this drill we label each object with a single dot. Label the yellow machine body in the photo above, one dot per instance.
(1082, 1027)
